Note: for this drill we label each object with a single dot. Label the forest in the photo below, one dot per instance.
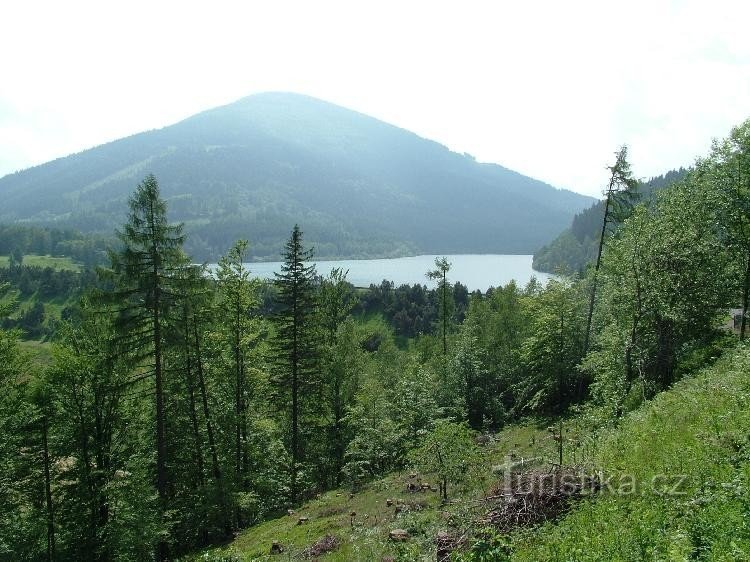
(183, 405)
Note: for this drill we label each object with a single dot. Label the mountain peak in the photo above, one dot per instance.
(359, 187)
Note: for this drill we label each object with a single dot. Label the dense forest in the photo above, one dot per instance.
(180, 406)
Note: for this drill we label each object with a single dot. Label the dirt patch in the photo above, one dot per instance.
(328, 543)
(332, 511)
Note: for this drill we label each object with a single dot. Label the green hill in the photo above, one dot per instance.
(252, 169)
(576, 246)
(686, 453)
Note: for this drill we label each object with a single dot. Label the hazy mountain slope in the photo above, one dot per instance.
(576, 246)
(357, 186)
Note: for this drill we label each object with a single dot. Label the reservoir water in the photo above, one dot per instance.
(476, 271)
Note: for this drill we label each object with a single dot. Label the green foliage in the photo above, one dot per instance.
(554, 349)
(378, 443)
(240, 332)
(51, 247)
(501, 322)
(296, 377)
(490, 546)
(447, 451)
(465, 383)
(666, 280)
(415, 402)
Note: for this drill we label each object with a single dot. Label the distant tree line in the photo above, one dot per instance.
(87, 249)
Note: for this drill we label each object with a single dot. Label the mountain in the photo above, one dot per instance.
(358, 187)
(576, 246)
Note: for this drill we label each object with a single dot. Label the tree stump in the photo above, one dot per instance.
(399, 535)
(444, 544)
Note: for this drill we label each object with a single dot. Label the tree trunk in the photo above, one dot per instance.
(197, 442)
(598, 263)
(237, 396)
(48, 492)
(161, 437)
(295, 420)
(445, 317)
(215, 467)
(338, 447)
(103, 463)
(745, 298)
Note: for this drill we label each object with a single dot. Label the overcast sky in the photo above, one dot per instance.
(549, 89)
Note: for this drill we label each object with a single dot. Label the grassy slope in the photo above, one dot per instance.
(40, 351)
(45, 261)
(700, 429)
(423, 515)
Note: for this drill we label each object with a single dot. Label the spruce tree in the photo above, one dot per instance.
(297, 353)
(147, 272)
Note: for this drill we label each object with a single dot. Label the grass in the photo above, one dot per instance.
(365, 536)
(687, 455)
(40, 352)
(64, 263)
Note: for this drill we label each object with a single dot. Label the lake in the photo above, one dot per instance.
(473, 270)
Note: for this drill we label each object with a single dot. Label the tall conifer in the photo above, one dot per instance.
(147, 274)
(296, 373)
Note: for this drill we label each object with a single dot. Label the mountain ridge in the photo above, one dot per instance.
(360, 187)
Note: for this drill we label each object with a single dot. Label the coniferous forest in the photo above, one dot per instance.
(182, 407)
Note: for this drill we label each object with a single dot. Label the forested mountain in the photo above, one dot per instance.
(576, 245)
(252, 169)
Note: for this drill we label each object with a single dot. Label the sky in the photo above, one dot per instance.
(549, 89)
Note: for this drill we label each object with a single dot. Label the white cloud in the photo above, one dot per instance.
(550, 89)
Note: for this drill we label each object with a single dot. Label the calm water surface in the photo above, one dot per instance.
(474, 271)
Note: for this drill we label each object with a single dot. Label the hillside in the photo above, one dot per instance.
(359, 187)
(688, 498)
(576, 246)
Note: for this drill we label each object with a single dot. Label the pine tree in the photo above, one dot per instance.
(297, 353)
(147, 272)
(198, 300)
